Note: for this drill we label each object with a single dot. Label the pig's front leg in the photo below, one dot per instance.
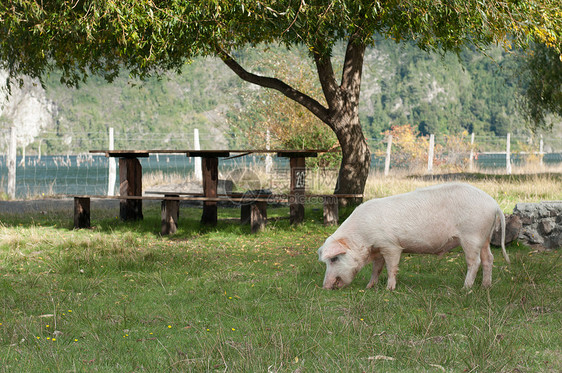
(378, 263)
(392, 258)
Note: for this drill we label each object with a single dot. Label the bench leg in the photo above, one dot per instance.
(170, 216)
(81, 212)
(296, 213)
(258, 216)
(245, 213)
(331, 210)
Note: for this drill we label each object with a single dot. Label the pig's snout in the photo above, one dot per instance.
(337, 283)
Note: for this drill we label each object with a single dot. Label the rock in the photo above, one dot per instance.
(512, 227)
(546, 226)
(541, 223)
(27, 109)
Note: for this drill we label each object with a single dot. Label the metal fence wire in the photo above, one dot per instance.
(61, 165)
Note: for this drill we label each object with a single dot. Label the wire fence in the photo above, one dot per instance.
(470, 153)
(54, 165)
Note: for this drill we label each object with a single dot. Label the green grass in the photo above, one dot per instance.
(119, 297)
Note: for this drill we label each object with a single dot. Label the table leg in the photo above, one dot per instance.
(296, 199)
(130, 184)
(210, 168)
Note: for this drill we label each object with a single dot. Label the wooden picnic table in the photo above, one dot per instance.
(130, 178)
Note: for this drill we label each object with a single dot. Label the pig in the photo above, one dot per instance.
(431, 220)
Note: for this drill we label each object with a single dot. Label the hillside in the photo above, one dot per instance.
(401, 85)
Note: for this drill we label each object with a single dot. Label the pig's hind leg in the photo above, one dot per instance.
(487, 263)
(378, 264)
(471, 250)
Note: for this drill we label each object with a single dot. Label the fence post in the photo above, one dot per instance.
(268, 159)
(387, 159)
(112, 168)
(430, 153)
(471, 159)
(22, 160)
(198, 171)
(11, 163)
(508, 155)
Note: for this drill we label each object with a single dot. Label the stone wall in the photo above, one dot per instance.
(541, 223)
(535, 224)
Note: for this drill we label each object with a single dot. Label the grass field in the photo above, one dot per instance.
(119, 297)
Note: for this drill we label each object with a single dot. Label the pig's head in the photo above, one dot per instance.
(341, 261)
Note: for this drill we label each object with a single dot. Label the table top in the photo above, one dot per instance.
(215, 153)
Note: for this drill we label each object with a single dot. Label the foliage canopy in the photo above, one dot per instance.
(147, 36)
(542, 75)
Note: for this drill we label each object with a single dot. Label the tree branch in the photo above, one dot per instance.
(353, 66)
(327, 78)
(308, 102)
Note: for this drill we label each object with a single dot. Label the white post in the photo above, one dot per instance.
(471, 159)
(268, 159)
(112, 167)
(11, 163)
(39, 151)
(541, 151)
(387, 159)
(430, 153)
(197, 171)
(508, 155)
(22, 160)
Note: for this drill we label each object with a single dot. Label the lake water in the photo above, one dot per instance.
(88, 174)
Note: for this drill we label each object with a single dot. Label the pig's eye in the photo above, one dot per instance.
(334, 259)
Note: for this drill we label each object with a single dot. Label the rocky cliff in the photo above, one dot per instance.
(27, 109)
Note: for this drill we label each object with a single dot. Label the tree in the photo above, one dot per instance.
(542, 76)
(290, 125)
(83, 37)
(409, 148)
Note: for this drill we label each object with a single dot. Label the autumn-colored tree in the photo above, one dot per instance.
(453, 154)
(409, 149)
(289, 125)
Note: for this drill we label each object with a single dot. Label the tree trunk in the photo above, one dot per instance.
(355, 163)
(343, 118)
(341, 114)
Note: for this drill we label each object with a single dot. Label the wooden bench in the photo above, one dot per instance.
(170, 208)
(254, 205)
(254, 209)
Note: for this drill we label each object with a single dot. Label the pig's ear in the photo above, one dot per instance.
(334, 249)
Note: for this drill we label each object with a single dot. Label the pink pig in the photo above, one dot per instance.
(432, 220)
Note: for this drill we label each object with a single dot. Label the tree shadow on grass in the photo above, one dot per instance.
(103, 219)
